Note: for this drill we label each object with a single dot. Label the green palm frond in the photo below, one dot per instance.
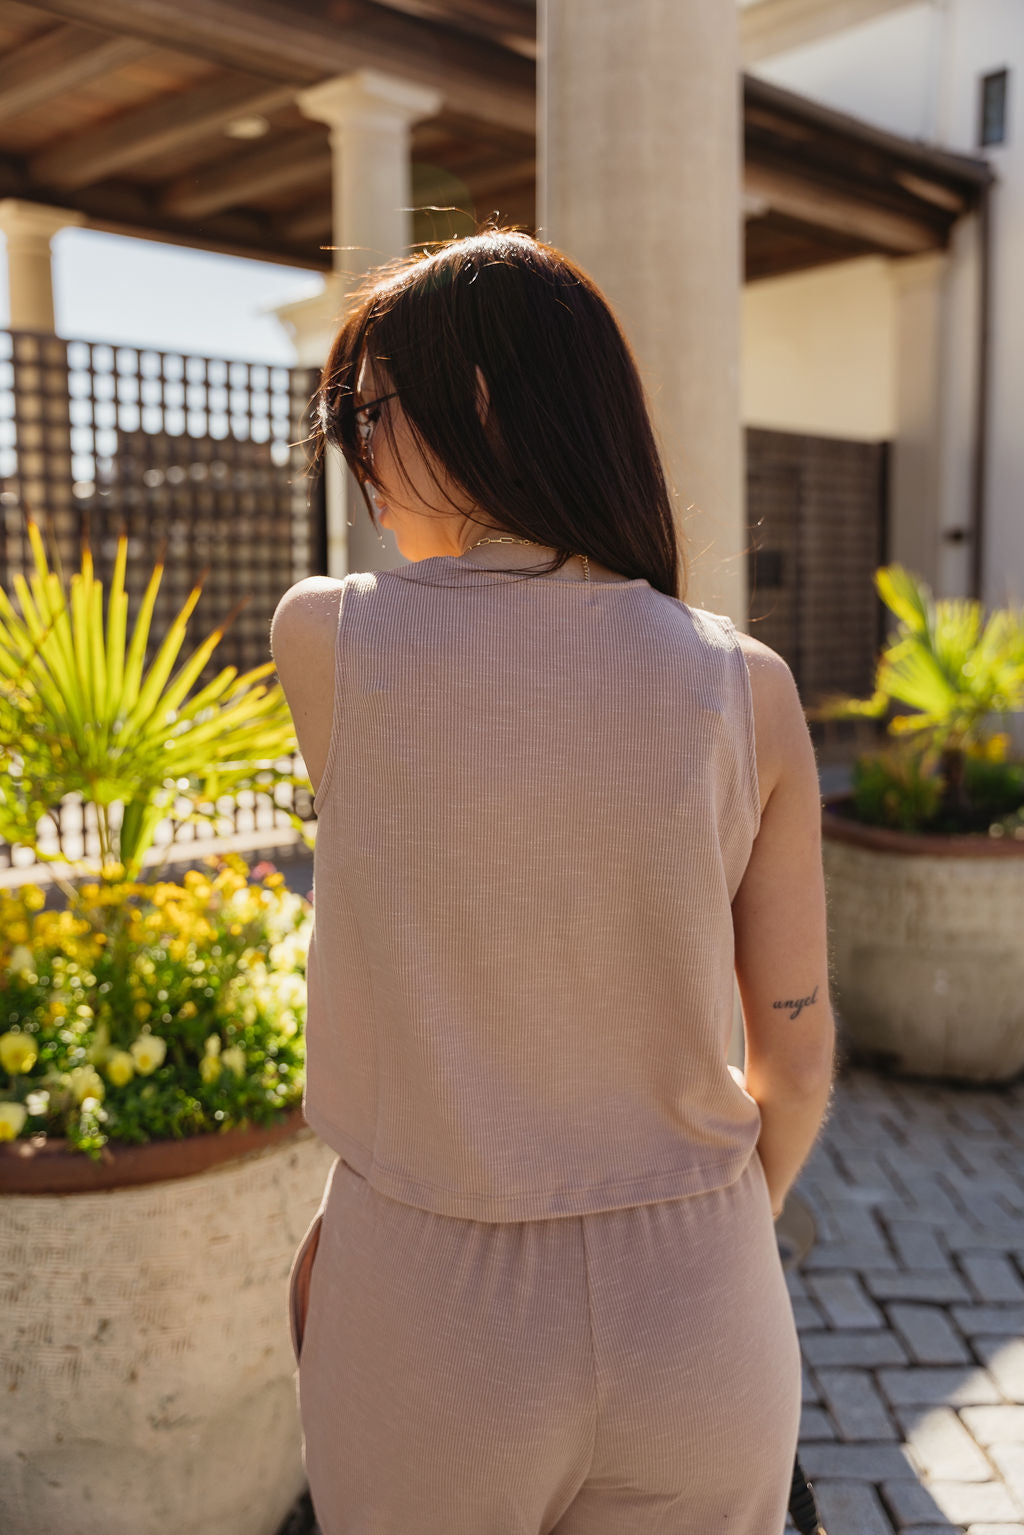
(81, 714)
(943, 662)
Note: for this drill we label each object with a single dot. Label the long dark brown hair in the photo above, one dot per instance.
(565, 453)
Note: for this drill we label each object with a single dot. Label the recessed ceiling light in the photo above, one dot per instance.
(247, 127)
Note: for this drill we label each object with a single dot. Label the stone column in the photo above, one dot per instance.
(640, 181)
(916, 462)
(311, 324)
(370, 116)
(40, 379)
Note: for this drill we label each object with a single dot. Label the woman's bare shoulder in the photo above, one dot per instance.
(303, 632)
(305, 619)
(780, 725)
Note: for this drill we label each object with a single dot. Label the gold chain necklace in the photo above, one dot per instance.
(510, 540)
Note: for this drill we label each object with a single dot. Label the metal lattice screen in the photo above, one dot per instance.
(201, 460)
(816, 508)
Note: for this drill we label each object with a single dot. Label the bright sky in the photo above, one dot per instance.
(109, 288)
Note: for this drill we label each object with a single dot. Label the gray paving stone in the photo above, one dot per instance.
(910, 1503)
(857, 1220)
(960, 1236)
(853, 1400)
(1007, 1321)
(865, 1349)
(1004, 1360)
(924, 1387)
(844, 1301)
(808, 1386)
(807, 1316)
(985, 1208)
(815, 1424)
(941, 1286)
(995, 1425)
(942, 1445)
(962, 1502)
(973, 1117)
(851, 1508)
(847, 1255)
(1009, 1459)
(928, 1334)
(795, 1284)
(869, 1177)
(917, 1245)
(993, 1277)
(859, 1463)
(930, 1197)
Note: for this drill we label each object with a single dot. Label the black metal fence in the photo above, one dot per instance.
(198, 460)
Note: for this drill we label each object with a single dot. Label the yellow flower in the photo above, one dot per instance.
(211, 1045)
(121, 1067)
(148, 1053)
(234, 1059)
(33, 897)
(85, 1082)
(209, 1068)
(18, 1053)
(100, 1047)
(187, 1010)
(12, 1117)
(20, 961)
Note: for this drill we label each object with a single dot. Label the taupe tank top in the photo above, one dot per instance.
(539, 800)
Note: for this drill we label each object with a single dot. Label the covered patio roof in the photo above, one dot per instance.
(176, 120)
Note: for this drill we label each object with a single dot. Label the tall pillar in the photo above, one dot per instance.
(640, 181)
(40, 379)
(370, 116)
(917, 452)
(29, 228)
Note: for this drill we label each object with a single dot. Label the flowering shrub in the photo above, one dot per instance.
(143, 1012)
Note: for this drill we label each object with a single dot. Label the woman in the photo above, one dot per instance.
(558, 808)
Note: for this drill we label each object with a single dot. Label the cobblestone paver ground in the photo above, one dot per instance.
(910, 1309)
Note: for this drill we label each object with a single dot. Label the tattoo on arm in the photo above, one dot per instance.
(795, 1005)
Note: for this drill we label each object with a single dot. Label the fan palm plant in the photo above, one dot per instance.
(955, 670)
(80, 714)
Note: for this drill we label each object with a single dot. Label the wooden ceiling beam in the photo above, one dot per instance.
(482, 181)
(60, 60)
(898, 234)
(312, 222)
(289, 41)
(296, 160)
(775, 26)
(122, 208)
(158, 127)
(508, 21)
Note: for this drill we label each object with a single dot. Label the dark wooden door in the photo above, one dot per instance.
(816, 515)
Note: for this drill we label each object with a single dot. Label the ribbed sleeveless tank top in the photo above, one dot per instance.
(539, 799)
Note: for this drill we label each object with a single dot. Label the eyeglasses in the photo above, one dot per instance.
(367, 416)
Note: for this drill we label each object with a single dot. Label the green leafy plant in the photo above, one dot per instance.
(954, 670)
(152, 1011)
(79, 716)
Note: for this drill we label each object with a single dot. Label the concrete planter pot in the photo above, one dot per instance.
(928, 962)
(146, 1363)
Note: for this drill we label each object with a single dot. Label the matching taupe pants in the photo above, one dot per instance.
(629, 1372)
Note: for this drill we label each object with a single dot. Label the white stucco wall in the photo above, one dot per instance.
(916, 71)
(818, 351)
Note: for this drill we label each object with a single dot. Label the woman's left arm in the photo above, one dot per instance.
(303, 631)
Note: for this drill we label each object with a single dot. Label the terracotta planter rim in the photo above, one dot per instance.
(48, 1167)
(840, 828)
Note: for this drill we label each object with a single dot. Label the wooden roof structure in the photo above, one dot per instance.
(176, 120)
